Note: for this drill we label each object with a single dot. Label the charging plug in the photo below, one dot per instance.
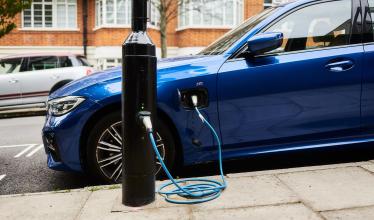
(148, 123)
(145, 117)
(194, 101)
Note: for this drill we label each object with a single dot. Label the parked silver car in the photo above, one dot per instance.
(27, 80)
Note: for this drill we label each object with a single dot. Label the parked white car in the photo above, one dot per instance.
(27, 80)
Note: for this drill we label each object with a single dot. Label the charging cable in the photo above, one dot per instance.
(192, 190)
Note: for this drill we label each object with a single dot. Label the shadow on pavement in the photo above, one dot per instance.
(345, 154)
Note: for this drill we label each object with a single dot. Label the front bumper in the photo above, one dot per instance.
(62, 137)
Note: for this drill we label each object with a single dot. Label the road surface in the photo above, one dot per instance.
(23, 167)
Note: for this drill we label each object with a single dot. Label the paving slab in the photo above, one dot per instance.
(368, 167)
(103, 203)
(241, 192)
(280, 212)
(99, 204)
(332, 189)
(300, 169)
(44, 206)
(174, 213)
(363, 213)
(251, 191)
(160, 201)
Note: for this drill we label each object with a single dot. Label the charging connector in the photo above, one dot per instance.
(194, 190)
(145, 117)
(194, 101)
(147, 123)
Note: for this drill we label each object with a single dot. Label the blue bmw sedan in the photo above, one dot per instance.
(294, 77)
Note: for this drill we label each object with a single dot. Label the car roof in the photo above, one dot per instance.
(39, 55)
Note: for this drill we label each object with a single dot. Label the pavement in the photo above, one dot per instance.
(339, 191)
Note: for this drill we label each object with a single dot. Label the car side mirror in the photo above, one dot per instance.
(264, 42)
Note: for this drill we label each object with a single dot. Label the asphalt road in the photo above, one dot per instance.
(23, 167)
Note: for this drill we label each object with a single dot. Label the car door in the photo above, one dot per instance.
(10, 90)
(70, 69)
(368, 73)
(308, 89)
(38, 79)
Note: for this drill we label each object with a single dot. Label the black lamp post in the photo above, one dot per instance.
(138, 95)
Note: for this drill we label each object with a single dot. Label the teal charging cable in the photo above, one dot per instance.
(193, 190)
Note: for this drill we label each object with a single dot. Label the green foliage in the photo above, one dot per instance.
(8, 10)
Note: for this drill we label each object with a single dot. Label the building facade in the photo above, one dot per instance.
(99, 27)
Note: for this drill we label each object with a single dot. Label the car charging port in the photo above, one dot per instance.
(200, 93)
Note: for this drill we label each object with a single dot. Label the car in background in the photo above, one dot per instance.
(26, 80)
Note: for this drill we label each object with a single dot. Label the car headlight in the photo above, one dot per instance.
(61, 106)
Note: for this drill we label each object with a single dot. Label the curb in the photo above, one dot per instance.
(22, 113)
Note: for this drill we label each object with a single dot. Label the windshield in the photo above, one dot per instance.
(227, 40)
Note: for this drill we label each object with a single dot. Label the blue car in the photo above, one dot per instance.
(294, 77)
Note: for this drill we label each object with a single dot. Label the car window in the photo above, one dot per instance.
(42, 63)
(371, 8)
(65, 61)
(321, 25)
(83, 61)
(10, 65)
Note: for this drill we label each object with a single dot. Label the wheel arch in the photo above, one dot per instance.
(59, 85)
(117, 107)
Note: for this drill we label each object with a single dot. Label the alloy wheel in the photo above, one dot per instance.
(109, 152)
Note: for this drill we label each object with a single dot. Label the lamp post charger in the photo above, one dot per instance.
(139, 94)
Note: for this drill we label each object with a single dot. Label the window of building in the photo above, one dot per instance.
(154, 16)
(109, 13)
(210, 13)
(108, 63)
(317, 26)
(60, 14)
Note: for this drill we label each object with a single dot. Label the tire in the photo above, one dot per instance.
(106, 131)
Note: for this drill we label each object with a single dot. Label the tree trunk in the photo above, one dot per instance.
(163, 36)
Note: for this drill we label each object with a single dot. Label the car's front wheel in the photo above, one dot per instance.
(104, 148)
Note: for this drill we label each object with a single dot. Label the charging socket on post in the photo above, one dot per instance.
(200, 93)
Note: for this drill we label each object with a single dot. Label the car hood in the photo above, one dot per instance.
(168, 69)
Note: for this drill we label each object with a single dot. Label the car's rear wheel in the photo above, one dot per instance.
(104, 148)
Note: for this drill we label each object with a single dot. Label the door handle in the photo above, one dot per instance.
(340, 66)
(13, 81)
